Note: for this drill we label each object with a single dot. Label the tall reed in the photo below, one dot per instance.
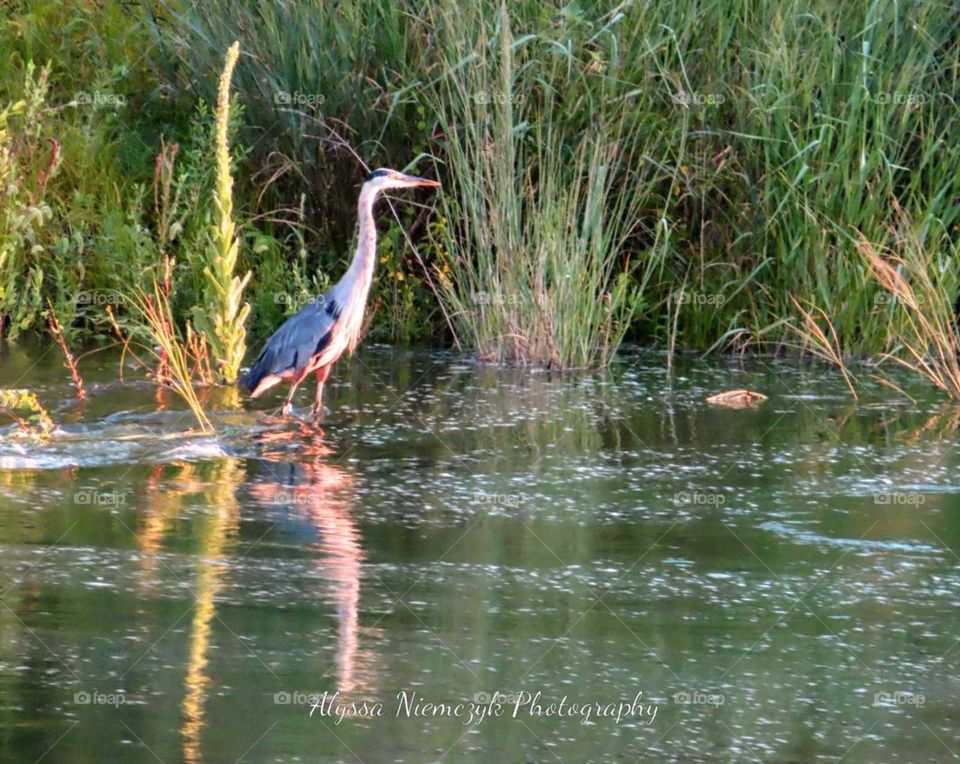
(540, 211)
(818, 337)
(223, 318)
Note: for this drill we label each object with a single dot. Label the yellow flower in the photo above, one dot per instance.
(399, 276)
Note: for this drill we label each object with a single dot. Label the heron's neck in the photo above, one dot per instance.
(360, 273)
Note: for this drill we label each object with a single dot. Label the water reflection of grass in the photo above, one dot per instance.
(216, 531)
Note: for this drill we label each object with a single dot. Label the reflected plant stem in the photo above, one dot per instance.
(210, 571)
(162, 506)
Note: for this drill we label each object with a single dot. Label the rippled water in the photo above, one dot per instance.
(780, 583)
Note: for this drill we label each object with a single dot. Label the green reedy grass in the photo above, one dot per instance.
(836, 146)
(540, 211)
(317, 83)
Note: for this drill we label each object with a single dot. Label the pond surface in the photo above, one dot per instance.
(484, 564)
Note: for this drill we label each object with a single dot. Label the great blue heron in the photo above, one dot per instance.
(315, 337)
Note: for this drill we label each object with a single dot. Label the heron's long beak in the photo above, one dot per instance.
(413, 180)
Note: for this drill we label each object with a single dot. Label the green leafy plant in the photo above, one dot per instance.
(24, 173)
(222, 319)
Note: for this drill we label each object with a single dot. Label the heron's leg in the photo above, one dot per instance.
(287, 408)
(322, 373)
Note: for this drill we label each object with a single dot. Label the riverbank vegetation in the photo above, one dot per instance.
(703, 176)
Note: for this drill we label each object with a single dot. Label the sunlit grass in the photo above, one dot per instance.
(817, 336)
(923, 333)
(35, 421)
(163, 343)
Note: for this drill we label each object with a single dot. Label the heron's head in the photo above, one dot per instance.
(384, 179)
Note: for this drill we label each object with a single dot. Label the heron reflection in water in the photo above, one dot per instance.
(322, 494)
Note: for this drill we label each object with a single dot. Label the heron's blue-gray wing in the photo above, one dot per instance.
(299, 339)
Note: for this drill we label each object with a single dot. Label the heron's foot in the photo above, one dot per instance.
(316, 413)
(286, 409)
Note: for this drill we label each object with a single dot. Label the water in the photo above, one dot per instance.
(778, 582)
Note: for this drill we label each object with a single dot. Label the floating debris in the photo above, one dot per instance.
(737, 398)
